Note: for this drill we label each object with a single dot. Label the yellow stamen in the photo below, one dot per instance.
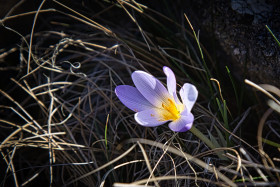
(171, 110)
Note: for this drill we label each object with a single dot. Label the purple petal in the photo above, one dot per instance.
(150, 87)
(132, 98)
(182, 124)
(171, 82)
(149, 118)
(189, 95)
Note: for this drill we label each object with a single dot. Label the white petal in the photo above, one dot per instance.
(189, 95)
(149, 118)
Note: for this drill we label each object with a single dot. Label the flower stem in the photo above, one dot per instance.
(202, 137)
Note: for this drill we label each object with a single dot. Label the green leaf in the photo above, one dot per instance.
(221, 137)
(213, 140)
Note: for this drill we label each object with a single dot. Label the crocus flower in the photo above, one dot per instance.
(155, 105)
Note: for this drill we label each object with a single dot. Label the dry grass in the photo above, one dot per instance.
(61, 122)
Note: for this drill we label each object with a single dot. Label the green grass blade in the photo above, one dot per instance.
(269, 142)
(273, 35)
(221, 137)
(106, 128)
(223, 111)
(234, 86)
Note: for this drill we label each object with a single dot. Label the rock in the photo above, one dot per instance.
(239, 29)
(257, 8)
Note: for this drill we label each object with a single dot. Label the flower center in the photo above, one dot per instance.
(171, 110)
